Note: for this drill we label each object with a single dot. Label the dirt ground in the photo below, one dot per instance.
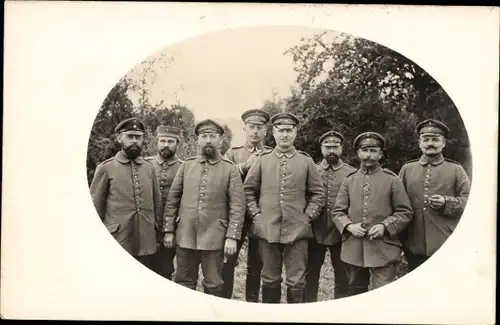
(326, 283)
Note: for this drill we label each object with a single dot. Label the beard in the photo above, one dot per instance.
(332, 159)
(166, 153)
(208, 151)
(133, 151)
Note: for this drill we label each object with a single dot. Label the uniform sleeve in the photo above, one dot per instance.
(455, 205)
(236, 205)
(402, 176)
(158, 205)
(315, 191)
(173, 200)
(340, 217)
(99, 189)
(403, 212)
(251, 187)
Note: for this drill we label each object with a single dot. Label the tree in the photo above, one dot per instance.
(355, 85)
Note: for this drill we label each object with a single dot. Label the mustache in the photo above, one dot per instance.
(430, 147)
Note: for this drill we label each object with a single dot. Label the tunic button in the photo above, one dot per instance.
(281, 201)
(201, 194)
(366, 203)
(425, 209)
(135, 176)
(425, 189)
(366, 197)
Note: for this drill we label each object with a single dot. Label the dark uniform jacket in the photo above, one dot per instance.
(324, 230)
(165, 173)
(205, 204)
(372, 198)
(284, 193)
(422, 178)
(127, 198)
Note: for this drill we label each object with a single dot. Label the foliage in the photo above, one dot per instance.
(118, 106)
(354, 85)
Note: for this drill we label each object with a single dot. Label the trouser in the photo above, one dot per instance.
(146, 260)
(316, 258)
(414, 260)
(164, 262)
(254, 268)
(294, 257)
(188, 263)
(360, 278)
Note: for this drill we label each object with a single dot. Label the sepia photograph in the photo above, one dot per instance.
(249, 162)
(336, 166)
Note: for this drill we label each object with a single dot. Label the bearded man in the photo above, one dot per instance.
(166, 163)
(326, 236)
(126, 195)
(204, 212)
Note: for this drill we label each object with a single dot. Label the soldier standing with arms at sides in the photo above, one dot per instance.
(166, 164)
(371, 210)
(243, 156)
(438, 189)
(127, 197)
(205, 209)
(284, 194)
(326, 236)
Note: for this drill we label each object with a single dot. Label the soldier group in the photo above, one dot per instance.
(290, 210)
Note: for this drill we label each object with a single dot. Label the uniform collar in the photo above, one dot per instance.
(370, 171)
(289, 154)
(121, 157)
(160, 160)
(250, 148)
(424, 160)
(326, 165)
(212, 161)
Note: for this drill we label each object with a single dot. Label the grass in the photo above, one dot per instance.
(326, 283)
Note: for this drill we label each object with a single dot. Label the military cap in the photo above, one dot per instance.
(331, 137)
(131, 124)
(208, 126)
(284, 119)
(432, 127)
(369, 139)
(255, 116)
(168, 131)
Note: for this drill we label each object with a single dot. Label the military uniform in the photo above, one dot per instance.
(165, 173)
(127, 198)
(326, 236)
(205, 205)
(371, 196)
(239, 155)
(284, 194)
(422, 178)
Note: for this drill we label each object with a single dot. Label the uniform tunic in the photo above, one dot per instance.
(127, 198)
(324, 230)
(287, 190)
(423, 178)
(205, 204)
(240, 154)
(373, 197)
(165, 173)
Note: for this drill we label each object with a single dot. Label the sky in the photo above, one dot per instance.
(221, 74)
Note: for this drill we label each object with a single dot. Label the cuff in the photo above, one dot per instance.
(341, 223)
(451, 206)
(313, 211)
(253, 210)
(169, 225)
(234, 230)
(389, 224)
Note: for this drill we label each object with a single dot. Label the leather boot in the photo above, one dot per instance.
(271, 295)
(352, 291)
(340, 292)
(218, 292)
(295, 295)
